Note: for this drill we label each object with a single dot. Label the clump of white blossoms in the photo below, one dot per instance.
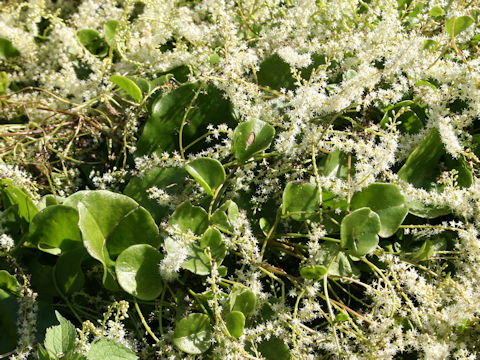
(365, 81)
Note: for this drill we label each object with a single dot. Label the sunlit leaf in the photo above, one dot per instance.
(208, 172)
(138, 273)
(300, 200)
(359, 231)
(250, 138)
(128, 86)
(193, 334)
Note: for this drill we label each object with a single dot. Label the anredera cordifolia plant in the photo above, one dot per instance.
(239, 180)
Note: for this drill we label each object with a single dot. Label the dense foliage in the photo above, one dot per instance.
(223, 179)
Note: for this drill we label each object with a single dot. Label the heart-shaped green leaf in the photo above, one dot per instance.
(110, 223)
(300, 200)
(55, 229)
(208, 172)
(251, 137)
(111, 350)
(193, 334)
(455, 26)
(68, 270)
(314, 272)
(387, 201)
(128, 86)
(138, 272)
(198, 262)
(235, 322)
(243, 300)
(359, 231)
(190, 217)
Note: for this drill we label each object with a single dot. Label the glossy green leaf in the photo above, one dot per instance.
(274, 349)
(235, 322)
(8, 282)
(251, 137)
(93, 42)
(421, 167)
(109, 349)
(387, 201)
(7, 50)
(336, 164)
(3, 82)
(243, 300)
(171, 180)
(109, 30)
(300, 201)
(68, 270)
(137, 270)
(208, 172)
(193, 334)
(359, 231)
(128, 86)
(60, 339)
(436, 11)
(110, 223)
(190, 217)
(314, 272)
(198, 262)
(55, 230)
(162, 130)
(12, 195)
(455, 26)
